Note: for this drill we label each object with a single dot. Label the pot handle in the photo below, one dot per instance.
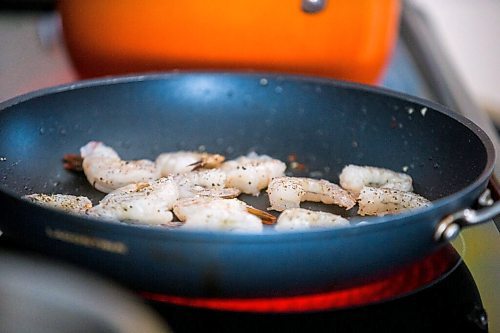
(449, 227)
(313, 6)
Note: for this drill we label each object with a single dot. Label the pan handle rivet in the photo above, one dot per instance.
(447, 229)
(451, 232)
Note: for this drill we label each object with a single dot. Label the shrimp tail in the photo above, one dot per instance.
(197, 165)
(208, 161)
(73, 162)
(264, 216)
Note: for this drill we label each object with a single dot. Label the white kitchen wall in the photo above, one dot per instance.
(470, 34)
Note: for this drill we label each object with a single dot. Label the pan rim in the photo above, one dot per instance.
(442, 205)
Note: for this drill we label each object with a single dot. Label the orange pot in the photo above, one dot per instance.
(348, 39)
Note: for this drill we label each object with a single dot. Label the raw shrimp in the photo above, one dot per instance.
(185, 161)
(382, 201)
(209, 213)
(354, 177)
(148, 202)
(289, 192)
(209, 182)
(253, 172)
(301, 219)
(106, 171)
(64, 202)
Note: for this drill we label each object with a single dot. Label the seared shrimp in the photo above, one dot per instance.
(253, 172)
(106, 171)
(210, 213)
(289, 192)
(354, 177)
(148, 202)
(301, 219)
(65, 202)
(210, 182)
(188, 204)
(185, 161)
(382, 201)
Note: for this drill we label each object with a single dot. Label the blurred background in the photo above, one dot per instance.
(443, 50)
(34, 55)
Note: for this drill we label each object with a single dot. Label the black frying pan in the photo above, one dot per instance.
(326, 124)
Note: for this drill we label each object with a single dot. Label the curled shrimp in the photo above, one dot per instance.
(106, 171)
(183, 206)
(147, 202)
(64, 202)
(209, 213)
(186, 161)
(382, 201)
(252, 173)
(209, 182)
(354, 177)
(302, 219)
(289, 192)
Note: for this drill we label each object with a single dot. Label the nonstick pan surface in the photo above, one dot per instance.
(325, 124)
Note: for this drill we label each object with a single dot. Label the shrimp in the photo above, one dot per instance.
(353, 178)
(209, 213)
(289, 192)
(147, 203)
(188, 204)
(300, 219)
(106, 171)
(252, 173)
(209, 182)
(382, 201)
(186, 161)
(64, 202)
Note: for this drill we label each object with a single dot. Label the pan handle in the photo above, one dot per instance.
(449, 227)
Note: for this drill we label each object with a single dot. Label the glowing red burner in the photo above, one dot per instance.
(398, 284)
